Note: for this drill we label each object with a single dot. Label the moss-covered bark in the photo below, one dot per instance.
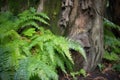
(52, 8)
(17, 6)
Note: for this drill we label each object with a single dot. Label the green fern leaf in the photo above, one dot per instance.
(36, 68)
(29, 32)
(30, 23)
(60, 63)
(33, 18)
(76, 46)
(50, 50)
(111, 56)
(62, 47)
(43, 15)
(108, 23)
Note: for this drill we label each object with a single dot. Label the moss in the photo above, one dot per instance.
(52, 8)
(17, 6)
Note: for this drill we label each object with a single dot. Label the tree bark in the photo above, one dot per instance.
(82, 21)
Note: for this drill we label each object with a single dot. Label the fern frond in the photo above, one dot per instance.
(30, 23)
(50, 50)
(26, 14)
(60, 63)
(42, 38)
(7, 22)
(111, 56)
(29, 32)
(36, 18)
(10, 55)
(42, 70)
(112, 43)
(76, 46)
(43, 15)
(108, 23)
(62, 47)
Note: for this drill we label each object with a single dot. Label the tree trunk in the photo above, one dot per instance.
(81, 21)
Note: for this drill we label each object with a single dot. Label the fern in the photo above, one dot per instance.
(28, 51)
(30, 23)
(37, 67)
(10, 55)
(30, 18)
(112, 44)
(108, 23)
(29, 32)
(42, 15)
(76, 46)
(111, 56)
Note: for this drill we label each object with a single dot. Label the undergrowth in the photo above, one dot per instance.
(112, 44)
(30, 52)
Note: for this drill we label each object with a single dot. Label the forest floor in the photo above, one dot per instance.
(106, 74)
(97, 75)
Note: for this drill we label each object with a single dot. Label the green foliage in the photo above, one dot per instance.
(81, 72)
(76, 46)
(28, 51)
(110, 24)
(112, 43)
(117, 67)
(101, 67)
(29, 32)
(111, 56)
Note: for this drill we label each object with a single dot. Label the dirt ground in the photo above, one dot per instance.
(106, 74)
(95, 75)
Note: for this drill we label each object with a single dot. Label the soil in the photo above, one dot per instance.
(106, 74)
(95, 75)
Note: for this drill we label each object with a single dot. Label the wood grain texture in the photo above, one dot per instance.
(85, 26)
